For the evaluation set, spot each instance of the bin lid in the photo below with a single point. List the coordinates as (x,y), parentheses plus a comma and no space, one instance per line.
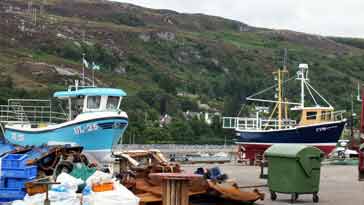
(292,151)
(302,153)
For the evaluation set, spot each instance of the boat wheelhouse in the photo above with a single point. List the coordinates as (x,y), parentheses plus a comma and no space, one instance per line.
(318,125)
(93,119)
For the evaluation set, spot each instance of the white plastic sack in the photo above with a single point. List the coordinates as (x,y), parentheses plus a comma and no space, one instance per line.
(18,202)
(98,177)
(119,196)
(56,198)
(69,182)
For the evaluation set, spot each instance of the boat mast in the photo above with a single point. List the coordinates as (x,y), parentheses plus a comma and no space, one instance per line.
(280,74)
(285,98)
(302,92)
(279,100)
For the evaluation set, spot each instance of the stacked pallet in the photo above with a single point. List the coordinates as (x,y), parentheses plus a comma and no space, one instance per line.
(14,174)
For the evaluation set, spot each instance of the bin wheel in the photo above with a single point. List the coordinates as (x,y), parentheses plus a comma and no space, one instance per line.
(294,197)
(273,195)
(315,198)
(341,154)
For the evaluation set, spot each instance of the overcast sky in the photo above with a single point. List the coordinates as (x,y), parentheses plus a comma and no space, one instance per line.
(325,17)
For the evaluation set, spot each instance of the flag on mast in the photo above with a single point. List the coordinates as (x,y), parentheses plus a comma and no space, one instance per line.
(94,67)
(85,63)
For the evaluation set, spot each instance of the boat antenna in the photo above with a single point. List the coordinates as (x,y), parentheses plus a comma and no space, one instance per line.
(83,69)
(93,74)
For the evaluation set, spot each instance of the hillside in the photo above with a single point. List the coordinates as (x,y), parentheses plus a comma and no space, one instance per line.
(166,61)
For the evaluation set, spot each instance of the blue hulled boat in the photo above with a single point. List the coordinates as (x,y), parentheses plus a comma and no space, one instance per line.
(317,125)
(93,119)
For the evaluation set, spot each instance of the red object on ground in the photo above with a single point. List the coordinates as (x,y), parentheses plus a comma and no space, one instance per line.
(361,152)
(361,160)
(362,113)
(252,151)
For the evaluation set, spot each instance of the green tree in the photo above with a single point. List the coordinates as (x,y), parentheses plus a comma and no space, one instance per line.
(181,132)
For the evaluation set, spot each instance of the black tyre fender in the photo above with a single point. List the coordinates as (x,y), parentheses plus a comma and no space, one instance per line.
(294,197)
(315,198)
(273,196)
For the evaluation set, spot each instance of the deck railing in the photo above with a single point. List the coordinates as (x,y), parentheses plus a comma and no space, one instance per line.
(244,123)
(255,124)
(339,115)
(30,111)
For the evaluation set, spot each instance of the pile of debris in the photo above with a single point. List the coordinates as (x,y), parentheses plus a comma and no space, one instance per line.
(135,168)
(64,175)
(57,175)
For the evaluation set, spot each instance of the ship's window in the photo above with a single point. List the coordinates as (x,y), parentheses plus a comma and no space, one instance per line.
(311,115)
(328,115)
(324,115)
(77,106)
(112,102)
(93,102)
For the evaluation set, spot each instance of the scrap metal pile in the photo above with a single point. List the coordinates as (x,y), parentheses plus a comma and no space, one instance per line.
(131,170)
(135,168)
(50,160)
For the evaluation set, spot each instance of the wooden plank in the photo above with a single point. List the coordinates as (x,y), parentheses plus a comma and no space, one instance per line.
(173,193)
(148,197)
(178,192)
(175,187)
(184,193)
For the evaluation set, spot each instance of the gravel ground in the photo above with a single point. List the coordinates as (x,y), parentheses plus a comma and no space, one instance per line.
(339,184)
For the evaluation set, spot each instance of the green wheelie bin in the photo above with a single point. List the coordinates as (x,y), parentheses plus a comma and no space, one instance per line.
(294,169)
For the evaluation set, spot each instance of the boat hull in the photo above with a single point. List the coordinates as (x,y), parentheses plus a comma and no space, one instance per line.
(324,136)
(95,135)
